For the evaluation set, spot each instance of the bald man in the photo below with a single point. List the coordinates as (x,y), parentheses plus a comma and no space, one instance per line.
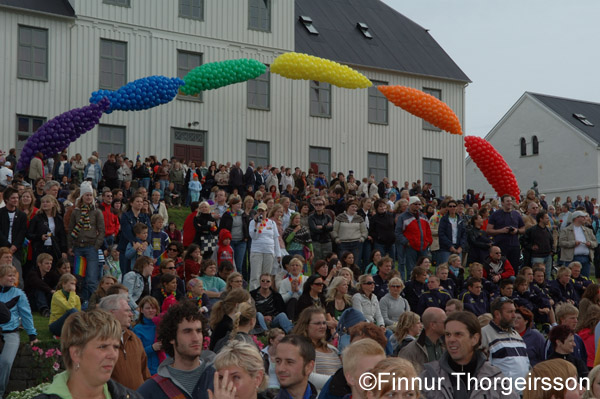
(429,346)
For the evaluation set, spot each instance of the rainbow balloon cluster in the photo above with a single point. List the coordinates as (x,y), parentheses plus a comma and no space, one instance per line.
(141,94)
(218,74)
(303,66)
(56,134)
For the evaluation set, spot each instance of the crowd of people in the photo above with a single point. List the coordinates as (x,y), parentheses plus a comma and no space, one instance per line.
(338,276)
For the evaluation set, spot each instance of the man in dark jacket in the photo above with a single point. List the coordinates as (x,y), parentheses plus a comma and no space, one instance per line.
(250,177)
(236,178)
(474,300)
(320,225)
(452,233)
(110,172)
(40,284)
(434,297)
(181,333)
(538,242)
(13,222)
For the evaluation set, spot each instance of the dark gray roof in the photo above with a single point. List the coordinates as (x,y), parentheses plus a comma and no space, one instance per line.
(566,108)
(57,7)
(398,43)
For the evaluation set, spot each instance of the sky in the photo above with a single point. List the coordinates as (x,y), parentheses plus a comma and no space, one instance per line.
(507,47)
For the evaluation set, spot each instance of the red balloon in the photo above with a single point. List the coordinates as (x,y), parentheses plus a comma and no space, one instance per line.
(493,166)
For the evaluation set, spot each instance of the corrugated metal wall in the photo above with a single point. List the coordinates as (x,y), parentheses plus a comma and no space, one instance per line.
(153,37)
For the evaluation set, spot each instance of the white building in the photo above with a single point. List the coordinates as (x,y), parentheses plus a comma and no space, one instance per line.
(56,53)
(552,140)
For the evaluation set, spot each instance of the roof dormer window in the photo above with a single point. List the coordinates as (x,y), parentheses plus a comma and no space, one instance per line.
(308,24)
(364,28)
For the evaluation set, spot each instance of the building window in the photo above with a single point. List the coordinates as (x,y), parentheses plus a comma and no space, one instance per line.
(432,173)
(319,159)
(32,53)
(111,140)
(26,127)
(378,165)
(259,15)
(122,3)
(259,92)
(320,99)
(437,94)
(186,61)
(257,151)
(535,145)
(113,64)
(523,143)
(193,9)
(378,105)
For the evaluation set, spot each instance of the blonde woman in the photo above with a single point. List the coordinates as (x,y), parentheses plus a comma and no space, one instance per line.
(562,373)
(393,304)
(244,321)
(408,328)
(405,384)
(337,300)
(46,230)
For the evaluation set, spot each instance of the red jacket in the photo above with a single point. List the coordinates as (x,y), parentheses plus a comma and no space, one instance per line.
(111,221)
(506,270)
(414,231)
(189,231)
(224,252)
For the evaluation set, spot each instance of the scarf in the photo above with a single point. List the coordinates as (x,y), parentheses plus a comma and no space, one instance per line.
(83,222)
(302,236)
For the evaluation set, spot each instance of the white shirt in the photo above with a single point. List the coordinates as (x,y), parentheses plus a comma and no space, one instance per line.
(5,173)
(265,240)
(581,249)
(11,219)
(52,228)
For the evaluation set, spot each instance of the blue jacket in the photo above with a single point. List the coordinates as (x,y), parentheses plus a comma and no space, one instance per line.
(445,233)
(66,171)
(20,311)
(413,291)
(146,332)
(97,173)
(433,299)
(561,293)
(127,222)
(478,304)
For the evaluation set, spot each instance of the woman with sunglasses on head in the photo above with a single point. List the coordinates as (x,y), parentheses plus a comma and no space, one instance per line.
(365,300)
(312,294)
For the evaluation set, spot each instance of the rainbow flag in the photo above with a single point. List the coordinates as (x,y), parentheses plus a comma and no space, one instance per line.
(161,258)
(80,266)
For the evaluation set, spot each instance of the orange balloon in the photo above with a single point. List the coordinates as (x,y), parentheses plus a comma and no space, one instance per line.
(424,106)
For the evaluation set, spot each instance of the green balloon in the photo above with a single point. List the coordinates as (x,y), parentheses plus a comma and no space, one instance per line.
(218,74)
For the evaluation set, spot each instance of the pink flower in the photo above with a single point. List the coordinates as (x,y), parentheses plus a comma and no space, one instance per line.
(40,351)
(50,352)
(56,366)
(58,353)
(34,348)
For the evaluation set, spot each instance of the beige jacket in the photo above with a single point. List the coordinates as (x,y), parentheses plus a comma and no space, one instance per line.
(566,242)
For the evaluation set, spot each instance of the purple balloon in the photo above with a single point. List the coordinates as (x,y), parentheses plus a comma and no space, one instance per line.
(56,134)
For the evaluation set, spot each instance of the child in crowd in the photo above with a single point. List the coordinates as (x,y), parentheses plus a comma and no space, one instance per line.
(448,284)
(64,303)
(112,266)
(158,238)
(40,284)
(224,250)
(192,266)
(139,247)
(105,283)
(579,281)
(167,288)
(173,233)
(194,188)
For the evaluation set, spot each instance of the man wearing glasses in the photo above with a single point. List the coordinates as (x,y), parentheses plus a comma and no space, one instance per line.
(503,344)
(320,225)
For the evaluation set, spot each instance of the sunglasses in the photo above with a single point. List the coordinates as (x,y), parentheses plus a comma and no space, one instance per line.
(172,249)
(395,286)
(170,268)
(369,283)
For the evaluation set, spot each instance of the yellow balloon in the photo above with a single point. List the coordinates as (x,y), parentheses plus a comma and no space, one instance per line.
(303,66)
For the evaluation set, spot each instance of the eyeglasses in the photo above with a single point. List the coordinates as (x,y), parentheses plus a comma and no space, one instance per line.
(395,286)
(170,268)
(369,282)
(172,249)
(319,323)
(451,206)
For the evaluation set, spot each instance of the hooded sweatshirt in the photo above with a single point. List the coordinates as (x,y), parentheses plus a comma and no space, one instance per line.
(224,252)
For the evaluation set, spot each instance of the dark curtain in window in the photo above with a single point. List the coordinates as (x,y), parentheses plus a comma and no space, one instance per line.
(523,147)
(535,145)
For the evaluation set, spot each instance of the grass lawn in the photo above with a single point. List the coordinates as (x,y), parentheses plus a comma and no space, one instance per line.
(178,216)
(41,325)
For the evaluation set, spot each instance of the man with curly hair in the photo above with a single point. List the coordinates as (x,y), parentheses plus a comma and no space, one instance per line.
(188,372)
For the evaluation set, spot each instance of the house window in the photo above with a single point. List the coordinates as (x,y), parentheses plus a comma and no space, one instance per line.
(259,15)
(186,61)
(113,64)
(193,9)
(122,3)
(259,92)
(32,53)
(26,127)
(437,94)
(111,140)
(320,99)
(378,165)
(523,146)
(319,159)
(378,105)
(432,173)
(257,151)
(535,145)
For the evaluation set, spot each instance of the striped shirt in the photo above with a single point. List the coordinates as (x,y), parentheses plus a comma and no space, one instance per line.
(506,349)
